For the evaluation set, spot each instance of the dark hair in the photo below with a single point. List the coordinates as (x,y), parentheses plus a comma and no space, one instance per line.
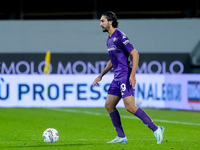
(110,16)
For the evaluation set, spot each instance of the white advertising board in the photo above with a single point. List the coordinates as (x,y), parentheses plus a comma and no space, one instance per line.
(155,91)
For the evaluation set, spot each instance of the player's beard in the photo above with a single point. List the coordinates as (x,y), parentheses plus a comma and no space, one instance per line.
(105,29)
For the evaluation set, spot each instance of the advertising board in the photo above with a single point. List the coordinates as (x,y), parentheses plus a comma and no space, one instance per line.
(154,91)
(28,63)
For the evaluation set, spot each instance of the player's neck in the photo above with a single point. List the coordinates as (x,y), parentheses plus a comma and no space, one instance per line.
(111,31)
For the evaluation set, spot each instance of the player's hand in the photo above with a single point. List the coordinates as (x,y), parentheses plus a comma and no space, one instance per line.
(132,81)
(95,83)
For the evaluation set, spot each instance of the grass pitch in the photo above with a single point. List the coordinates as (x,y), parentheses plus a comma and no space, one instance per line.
(91,128)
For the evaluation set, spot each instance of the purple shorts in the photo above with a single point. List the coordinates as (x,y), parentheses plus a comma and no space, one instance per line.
(121,88)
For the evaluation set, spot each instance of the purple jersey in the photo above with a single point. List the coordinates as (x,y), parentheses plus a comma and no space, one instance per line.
(119,48)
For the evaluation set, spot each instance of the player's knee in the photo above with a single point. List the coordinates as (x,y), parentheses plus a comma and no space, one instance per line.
(109,107)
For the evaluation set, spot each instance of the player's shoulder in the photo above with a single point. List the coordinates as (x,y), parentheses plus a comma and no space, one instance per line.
(122,38)
(121,35)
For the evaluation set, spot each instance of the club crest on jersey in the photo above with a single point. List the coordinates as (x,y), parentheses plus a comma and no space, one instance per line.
(114,39)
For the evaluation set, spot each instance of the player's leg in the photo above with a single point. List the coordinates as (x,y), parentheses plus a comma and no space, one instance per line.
(110,105)
(129,103)
(128,94)
(112,100)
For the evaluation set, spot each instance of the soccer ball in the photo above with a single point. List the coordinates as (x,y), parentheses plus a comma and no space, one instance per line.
(50,135)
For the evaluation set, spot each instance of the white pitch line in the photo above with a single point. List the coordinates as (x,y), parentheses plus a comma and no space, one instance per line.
(122,116)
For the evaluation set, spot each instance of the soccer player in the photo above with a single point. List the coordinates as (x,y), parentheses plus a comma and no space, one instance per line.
(122,86)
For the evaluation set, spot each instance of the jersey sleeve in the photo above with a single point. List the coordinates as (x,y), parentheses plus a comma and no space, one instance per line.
(125,43)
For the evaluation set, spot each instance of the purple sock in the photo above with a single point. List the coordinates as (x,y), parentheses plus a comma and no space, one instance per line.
(146,119)
(115,118)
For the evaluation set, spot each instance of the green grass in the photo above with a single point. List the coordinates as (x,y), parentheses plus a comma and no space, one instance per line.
(91,128)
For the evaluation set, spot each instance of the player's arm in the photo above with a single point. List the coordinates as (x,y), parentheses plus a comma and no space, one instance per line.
(135,59)
(106,69)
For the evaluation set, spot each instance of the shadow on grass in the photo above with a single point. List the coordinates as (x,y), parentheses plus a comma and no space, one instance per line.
(47,145)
